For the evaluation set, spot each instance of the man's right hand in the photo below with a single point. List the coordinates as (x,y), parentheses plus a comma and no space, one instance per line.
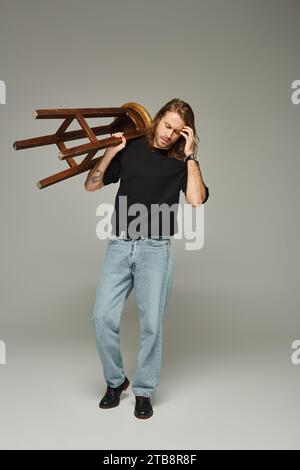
(94,179)
(119,147)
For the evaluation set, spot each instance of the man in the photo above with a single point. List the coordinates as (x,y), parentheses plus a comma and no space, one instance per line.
(152,170)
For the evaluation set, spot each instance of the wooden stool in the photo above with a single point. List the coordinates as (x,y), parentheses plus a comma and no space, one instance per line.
(130,118)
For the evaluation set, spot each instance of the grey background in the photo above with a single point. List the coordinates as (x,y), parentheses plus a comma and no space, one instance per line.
(227,380)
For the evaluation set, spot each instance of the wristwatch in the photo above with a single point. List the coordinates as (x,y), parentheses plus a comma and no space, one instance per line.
(193,156)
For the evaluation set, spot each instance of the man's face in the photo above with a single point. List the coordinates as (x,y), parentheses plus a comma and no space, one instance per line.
(168,130)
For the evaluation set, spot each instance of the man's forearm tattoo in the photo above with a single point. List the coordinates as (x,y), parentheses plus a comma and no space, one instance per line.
(97,176)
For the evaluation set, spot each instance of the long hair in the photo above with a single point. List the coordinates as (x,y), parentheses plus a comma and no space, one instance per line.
(186,113)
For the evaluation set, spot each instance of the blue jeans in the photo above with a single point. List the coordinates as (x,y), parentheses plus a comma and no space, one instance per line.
(147,265)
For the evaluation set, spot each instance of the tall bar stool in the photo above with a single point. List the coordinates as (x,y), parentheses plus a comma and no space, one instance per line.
(130,118)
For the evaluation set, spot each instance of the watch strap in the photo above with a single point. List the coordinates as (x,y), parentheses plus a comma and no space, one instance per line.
(192,156)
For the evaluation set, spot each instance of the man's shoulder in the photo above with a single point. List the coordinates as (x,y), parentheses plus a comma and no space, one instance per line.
(132,146)
(138,145)
(136,142)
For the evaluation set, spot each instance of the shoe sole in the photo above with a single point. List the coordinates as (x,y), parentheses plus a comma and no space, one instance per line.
(143,417)
(105,407)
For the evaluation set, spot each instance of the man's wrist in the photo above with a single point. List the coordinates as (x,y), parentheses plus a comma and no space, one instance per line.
(191,157)
(110,151)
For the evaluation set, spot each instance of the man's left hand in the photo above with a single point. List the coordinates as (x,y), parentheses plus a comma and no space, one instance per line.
(190,143)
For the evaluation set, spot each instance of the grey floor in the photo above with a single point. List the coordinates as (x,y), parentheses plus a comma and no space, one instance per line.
(221,387)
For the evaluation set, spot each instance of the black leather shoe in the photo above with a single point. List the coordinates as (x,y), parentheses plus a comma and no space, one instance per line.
(143,408)
(112,395)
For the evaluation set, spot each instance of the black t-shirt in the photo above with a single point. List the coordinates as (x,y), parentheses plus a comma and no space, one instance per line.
(149,177)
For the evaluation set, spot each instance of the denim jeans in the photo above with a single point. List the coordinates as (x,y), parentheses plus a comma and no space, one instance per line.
(147,265)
